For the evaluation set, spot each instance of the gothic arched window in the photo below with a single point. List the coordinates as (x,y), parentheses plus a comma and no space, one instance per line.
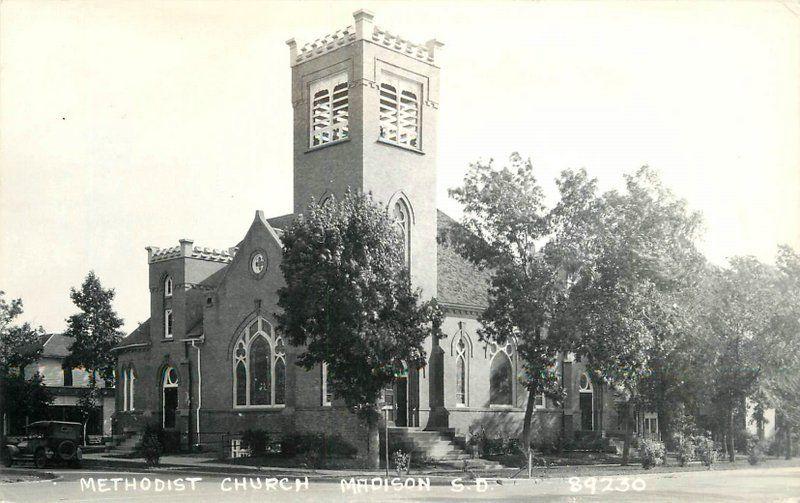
(168,286)
(461,372)
(402,222)
(259,367)
(501,379)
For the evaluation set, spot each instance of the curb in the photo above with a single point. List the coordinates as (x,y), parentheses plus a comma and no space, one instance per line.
(41,475)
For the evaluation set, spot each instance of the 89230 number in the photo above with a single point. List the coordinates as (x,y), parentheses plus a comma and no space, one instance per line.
(606,484)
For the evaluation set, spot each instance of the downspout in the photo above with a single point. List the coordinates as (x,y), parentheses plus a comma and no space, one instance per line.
(199,390)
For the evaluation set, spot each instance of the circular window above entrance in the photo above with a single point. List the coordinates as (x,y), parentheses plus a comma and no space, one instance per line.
(258,263)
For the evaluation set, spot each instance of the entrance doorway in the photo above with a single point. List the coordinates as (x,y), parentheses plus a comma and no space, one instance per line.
(586,402)
(401,395)
(169,398)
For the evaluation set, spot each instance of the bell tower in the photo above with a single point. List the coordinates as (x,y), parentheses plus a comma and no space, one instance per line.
(365,107)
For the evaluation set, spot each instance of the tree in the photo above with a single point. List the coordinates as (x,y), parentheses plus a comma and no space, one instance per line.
(349,303)
(740,338)
(19,346)
(623,306)
(27,399)
(96,330)
(505,218)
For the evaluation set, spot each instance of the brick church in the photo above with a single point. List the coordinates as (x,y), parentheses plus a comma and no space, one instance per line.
(209,363)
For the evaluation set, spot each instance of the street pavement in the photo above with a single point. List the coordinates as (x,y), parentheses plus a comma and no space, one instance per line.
(762,484)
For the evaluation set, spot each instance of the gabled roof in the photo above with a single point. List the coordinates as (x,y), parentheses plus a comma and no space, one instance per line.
(460,282)
(282,222)
(140,335)
(52,345)
(57,346)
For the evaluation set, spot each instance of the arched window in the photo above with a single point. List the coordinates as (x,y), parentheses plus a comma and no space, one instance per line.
(461,372)
(169,397)
(501,380)
(402,222)
(329,110)
(259,367)
(586,401)
(130,380)
(168,286)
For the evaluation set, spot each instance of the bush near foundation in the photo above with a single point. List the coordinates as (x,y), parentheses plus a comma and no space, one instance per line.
(255,440)
(685,447)
(652,453)
(756,450)
(316,447)
(706,450)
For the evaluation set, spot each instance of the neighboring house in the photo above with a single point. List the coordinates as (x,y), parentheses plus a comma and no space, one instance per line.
(210,363)
(66,385)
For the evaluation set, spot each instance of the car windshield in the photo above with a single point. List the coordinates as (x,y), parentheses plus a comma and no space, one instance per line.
(35,432)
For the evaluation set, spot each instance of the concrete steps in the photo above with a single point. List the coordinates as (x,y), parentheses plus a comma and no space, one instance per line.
(440,446)
(129,445)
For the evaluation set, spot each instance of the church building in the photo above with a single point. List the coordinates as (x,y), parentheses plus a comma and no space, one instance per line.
(210,363)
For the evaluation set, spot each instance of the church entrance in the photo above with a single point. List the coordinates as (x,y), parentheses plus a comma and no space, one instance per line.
(401,395)
(169,398)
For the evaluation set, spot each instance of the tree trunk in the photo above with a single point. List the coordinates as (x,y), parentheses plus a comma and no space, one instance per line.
(526,423)
(788,439)
(626,446)
(373,445)
(2,409)
(731,435)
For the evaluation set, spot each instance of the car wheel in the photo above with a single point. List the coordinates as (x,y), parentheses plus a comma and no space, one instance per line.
(67,450)
(7,459)
(40,459)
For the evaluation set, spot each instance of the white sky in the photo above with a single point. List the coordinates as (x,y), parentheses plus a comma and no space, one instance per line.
(127,124)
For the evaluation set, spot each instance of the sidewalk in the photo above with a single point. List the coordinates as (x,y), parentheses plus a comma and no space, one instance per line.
(438,476)
(212,464)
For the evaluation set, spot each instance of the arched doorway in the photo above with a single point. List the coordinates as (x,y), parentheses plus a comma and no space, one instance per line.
(169,397)
(586,402)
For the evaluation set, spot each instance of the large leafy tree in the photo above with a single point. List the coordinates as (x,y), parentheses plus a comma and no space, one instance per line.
(739,340)
(19,346)
(27,400)
(623,306)
(95,328)
(348,301)
(505,220)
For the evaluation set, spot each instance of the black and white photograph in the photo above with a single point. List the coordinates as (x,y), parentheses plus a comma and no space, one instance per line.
(542,250)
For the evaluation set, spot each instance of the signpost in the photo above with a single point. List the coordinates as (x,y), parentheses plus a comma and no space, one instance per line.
(386,409)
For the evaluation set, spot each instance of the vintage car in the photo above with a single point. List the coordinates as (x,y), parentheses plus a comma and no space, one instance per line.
(45,442)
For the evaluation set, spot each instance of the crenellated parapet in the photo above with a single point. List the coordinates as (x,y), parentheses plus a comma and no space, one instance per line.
(362,29)
(186,249)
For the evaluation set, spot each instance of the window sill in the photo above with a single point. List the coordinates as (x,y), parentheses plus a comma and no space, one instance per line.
(168,339)
(401,146)
(329,144)
(245,408)
(496,406)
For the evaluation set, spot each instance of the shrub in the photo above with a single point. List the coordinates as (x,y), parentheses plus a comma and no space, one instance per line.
(685,448)
(255,440)
(705,449)
(478,440)
(652,453)
(755,450)
(316,447)
(400,460)
(151,447)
